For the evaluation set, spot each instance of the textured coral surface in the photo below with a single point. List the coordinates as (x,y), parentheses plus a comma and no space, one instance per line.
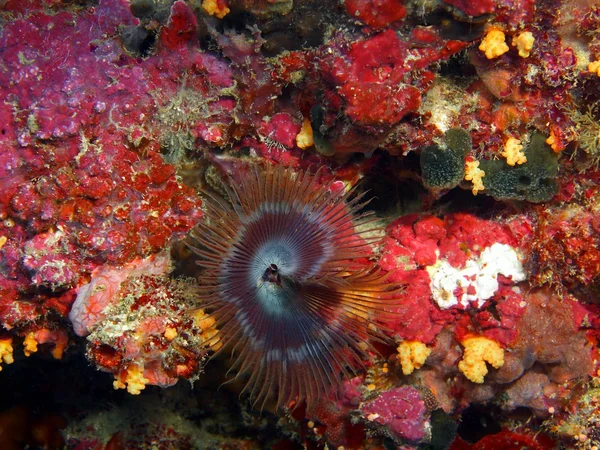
(473,127)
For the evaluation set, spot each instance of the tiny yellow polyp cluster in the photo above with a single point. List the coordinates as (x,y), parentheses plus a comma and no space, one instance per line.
(474,174)
(524,43)
(304,138)
(493,44)
(3,240)
(209,329)
(30,344)
(553,142)
(170,333)
(513,152)
(134,380)
(412,355)
(594,67)
(6,351)
(478,351)
(212,7)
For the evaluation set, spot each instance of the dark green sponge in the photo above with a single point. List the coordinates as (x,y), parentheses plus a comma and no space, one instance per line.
(444,167)
(532,181)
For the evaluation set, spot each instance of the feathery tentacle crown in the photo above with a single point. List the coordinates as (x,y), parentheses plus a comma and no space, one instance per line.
(285,276)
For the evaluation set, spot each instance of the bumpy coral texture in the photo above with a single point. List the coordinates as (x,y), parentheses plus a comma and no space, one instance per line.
(412,355)
(376,13)
(140,324)
(105,139)
(479,351)
(401,411)
(83,182)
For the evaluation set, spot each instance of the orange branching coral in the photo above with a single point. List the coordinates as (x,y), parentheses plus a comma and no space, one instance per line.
(305,138)
(594,67)
(288,279)
(208,325)
(6,351)
(131,378)
(30,345)
(57,339)
(216,8)
(555,142)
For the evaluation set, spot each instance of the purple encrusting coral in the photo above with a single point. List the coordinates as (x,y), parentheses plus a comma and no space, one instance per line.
(401,413)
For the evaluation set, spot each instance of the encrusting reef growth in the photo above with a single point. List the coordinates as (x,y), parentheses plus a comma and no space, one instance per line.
(374,223)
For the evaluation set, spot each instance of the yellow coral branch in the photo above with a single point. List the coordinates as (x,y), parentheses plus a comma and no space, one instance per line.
(209,329)
(30,344)
(6,351)
(594,67)
(304,138)
(478,351)
(213,8)
(553,142)
(493,44)
(513,152)
(412,355)
(133,379)
(524,43)
(474,174)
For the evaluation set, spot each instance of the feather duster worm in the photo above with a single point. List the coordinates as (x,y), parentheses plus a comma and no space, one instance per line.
(285,275)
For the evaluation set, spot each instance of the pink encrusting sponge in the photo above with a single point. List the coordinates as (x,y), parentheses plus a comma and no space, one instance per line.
(289,279)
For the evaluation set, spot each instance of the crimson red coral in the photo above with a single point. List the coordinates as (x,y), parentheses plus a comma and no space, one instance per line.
(473,8)
(376,13)
(181,28)
(382,78)
(509,440)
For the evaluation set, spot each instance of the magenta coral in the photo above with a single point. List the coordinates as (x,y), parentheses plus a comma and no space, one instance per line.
(377,72)
(279,130)
(378,80)
(401,412)
(82,185)
(332,415)
(181,28)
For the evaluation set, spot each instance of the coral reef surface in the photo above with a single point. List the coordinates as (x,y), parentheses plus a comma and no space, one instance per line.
(428,224)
